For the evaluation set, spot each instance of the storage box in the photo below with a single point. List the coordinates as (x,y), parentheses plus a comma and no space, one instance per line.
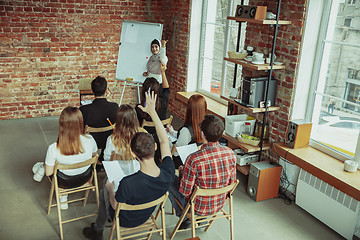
(235,124)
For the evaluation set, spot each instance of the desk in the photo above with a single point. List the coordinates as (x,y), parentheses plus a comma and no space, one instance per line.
(323,166)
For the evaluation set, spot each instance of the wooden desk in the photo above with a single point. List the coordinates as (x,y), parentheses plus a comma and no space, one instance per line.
(323,166)
(214,107)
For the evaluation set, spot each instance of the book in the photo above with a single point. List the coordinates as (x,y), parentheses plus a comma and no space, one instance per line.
(185,151)
(114,172)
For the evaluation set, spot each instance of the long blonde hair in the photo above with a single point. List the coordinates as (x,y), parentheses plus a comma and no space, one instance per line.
(70,129)
(126,126)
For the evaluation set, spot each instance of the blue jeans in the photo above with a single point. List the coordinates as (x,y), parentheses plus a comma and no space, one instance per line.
(104,205)
(174,193)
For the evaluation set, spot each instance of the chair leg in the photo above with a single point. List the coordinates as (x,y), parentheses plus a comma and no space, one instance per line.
(51,197)
(181,219)
(118,228)
(192,220)
(112,229)
(231,218)
(86,196)
(163,222)
(59,212)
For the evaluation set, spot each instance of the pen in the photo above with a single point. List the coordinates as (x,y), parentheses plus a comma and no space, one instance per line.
(110,122)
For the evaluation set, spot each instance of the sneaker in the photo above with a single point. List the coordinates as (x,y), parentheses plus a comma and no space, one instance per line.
(36,166)
(63,201)
(39,174)
(92,233)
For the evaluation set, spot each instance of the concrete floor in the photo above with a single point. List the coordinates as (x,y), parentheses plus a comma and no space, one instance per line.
(23,201)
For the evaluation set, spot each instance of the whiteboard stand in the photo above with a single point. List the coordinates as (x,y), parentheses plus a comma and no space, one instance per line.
(130,83)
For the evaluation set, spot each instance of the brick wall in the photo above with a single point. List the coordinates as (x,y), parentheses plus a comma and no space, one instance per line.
(47,46)
(287,51)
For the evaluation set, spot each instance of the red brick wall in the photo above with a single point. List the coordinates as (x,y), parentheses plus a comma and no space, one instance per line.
(47,46)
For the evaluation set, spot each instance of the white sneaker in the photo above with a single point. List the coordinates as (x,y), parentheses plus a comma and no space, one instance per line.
(36,166)
(63,201)
(39,174)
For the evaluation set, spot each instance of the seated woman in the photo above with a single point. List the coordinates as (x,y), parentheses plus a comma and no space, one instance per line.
(152,85)
(71,147)
(190,131)
(118,143)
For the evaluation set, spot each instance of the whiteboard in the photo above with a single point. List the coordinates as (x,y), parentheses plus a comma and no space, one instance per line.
(134,49)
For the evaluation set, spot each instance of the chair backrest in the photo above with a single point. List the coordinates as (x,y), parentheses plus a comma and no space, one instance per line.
(213,192)
(128,207)
(151,124)
(97,130)
(92,160)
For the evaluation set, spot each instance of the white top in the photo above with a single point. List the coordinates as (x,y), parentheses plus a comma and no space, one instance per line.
(164,59)
(53,154)
(183,139)
(128,166)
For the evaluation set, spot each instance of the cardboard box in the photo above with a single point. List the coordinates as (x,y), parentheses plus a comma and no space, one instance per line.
(235,124)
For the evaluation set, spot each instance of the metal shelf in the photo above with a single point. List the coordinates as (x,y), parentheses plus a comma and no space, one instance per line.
(260,21)
(249,109)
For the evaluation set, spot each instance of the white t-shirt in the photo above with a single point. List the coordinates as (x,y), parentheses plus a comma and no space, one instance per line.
(183,139)
(53,154)
(129,166)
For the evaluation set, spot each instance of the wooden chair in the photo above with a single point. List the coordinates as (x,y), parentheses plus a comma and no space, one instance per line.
(209,219)
(97,130)
(151,124)
(92,184)
(147,228)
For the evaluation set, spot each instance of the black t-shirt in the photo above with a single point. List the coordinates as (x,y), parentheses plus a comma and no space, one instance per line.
(95,115)
(140,188)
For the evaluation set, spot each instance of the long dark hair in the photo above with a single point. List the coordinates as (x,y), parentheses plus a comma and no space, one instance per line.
(154,86)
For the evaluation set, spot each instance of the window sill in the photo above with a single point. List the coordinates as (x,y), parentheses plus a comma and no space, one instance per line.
(323,166)
(214,107)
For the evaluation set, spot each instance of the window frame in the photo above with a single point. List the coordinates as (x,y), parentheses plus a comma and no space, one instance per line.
(318,45)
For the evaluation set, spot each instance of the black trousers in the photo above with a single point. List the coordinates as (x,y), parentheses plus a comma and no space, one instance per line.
(65,181)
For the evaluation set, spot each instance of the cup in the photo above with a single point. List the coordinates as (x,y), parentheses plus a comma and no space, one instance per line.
(258,56)
(268,60)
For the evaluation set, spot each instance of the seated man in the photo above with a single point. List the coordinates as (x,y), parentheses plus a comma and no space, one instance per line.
(96,114)
(146,185)
(213,166)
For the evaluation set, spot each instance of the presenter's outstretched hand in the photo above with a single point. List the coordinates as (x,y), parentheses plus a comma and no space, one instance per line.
(163,43)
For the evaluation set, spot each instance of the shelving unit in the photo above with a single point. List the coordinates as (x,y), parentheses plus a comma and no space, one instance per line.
(257,67)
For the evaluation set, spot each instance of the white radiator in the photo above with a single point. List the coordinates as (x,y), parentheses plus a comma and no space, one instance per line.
(328,204)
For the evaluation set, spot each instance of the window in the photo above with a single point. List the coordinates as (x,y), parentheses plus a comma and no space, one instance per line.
(334,107)
(347,22)
(217,36)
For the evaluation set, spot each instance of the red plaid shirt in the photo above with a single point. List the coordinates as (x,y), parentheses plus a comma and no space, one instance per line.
(213,166)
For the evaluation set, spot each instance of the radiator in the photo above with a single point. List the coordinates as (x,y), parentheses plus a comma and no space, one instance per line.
(328,204)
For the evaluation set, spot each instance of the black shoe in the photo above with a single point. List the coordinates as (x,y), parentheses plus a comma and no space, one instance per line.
(91,233)
(99,168)
(185,224)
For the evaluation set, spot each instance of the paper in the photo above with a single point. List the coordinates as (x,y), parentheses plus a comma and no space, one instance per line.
(113,172)
(185,151)
(171,137)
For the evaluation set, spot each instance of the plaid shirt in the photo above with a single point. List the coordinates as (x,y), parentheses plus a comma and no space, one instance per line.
(213,166)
